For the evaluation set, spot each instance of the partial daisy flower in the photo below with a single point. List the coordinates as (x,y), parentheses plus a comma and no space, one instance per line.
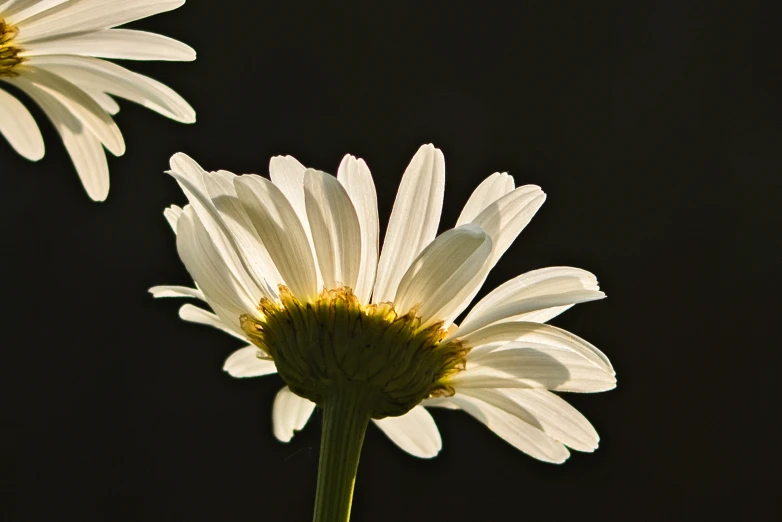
(51,50)
(291,267)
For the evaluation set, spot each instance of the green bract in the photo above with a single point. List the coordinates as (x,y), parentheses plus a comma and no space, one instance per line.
(336,341)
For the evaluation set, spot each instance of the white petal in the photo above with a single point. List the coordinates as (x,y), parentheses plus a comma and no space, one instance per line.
(541,316)
(106,102)
(172,214)
(587,281)
(355,177)
(83,147)
(505,218)
(91,15)
(288,175)
(16,11)
(87,154)
(198,315)
(244,362)
(78,103)
(546,411)
(523,364)
(236,223)
(536,290)
(535,333)
(176,291)
(477,352)
(415,432)
(281,232)
(208,269)
(124,44)
(97,74)
(414,220)
(290,413)
(489,191)
(438,279)
(19,127)
(512,429)
(335,229)
(192,179)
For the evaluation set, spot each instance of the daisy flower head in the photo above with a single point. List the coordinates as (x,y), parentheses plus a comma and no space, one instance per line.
(53,51)
(292,266)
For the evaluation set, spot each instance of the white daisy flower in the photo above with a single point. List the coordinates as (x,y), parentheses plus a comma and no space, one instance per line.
(291,265)
(51,50)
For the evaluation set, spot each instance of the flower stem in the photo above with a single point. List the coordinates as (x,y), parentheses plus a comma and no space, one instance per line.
(345,420)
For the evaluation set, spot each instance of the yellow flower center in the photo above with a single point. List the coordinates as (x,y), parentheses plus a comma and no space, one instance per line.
(336,341)
(9,55)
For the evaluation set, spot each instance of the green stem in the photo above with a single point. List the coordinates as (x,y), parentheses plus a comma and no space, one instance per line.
(345,420)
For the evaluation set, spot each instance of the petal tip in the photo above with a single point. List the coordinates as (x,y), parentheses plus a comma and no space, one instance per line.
(176,159)
(35,155)
(429,453)
(99,197)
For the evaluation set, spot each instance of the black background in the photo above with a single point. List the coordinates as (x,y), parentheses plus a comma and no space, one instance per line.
(654,129)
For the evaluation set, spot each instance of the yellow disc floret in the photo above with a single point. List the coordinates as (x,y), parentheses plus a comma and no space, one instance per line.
(337,341)
(9,55)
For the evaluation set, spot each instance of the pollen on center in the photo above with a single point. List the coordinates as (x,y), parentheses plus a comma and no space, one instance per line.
(336,340)
(9,54)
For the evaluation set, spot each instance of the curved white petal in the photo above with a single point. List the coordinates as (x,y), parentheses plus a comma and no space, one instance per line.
(19,127)
(415,432)
(208,269)
(78,103)
(193,181)
(539,282)
(236,223)
(439,279)
(97,74)
(523,364)
(541,316)
(90,15)
(534,333)
(414,220)
(290,413)
(512,429)
(505,218)
(335,229)
(16,11)
(84,148)
(536,290)
(6,5)
(545,410)
(124,44)
(281,232)
(355,177)
(106,102)
(198,315)
(175,291)
(490,190)
(244,362)
(172,214)
(288,175)
(587,280)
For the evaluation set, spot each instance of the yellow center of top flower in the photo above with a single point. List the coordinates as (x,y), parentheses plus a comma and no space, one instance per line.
(337,341)
(9,55)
